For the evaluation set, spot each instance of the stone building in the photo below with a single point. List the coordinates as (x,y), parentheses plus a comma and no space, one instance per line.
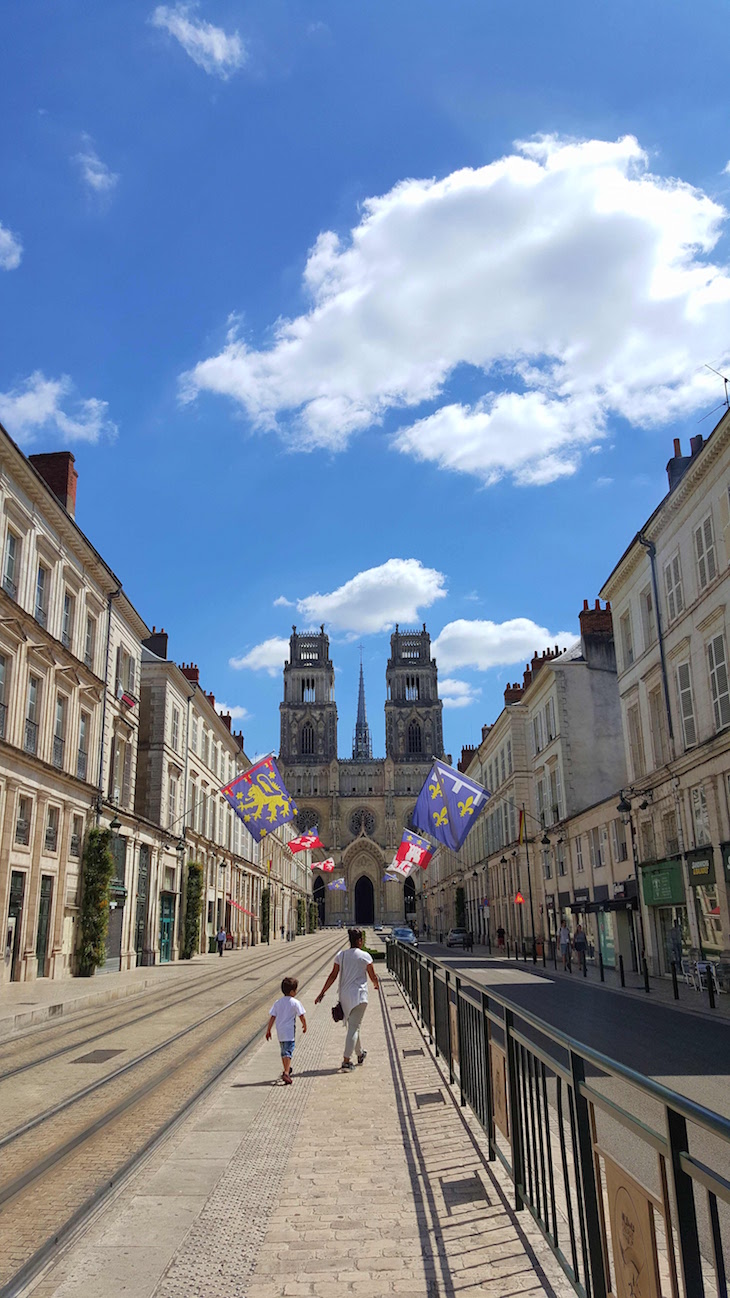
(360,804)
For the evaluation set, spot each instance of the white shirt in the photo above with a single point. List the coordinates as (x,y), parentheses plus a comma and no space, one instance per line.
(353,977)
(286,1011)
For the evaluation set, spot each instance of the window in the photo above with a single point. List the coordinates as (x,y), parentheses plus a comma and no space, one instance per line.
(618,836)
(206,747)
(83,753)
(171,800)
(627,639)
(67,625)
(541,800)
(594,844)
(560,858)
(41,595)
(90,642)
(194,735)
(308,690)
(547,867)
(308,738)
(700,817)
(176,729)
(673,587)
(718,681)
(52,829)
(415,744)
(509,756)
(636,742)
(77,832)
(705,552)
(550,731)
(537,733)
(11,565)
(121,771)
(413,689)
(502,767)
(658,725)
(32,712)
(579,866)
(22,824)
(490,781)
(556,795)
(648,617)
(669,829)
(125,675)
(648,842)
(59,732)
(686,705)
(3,705)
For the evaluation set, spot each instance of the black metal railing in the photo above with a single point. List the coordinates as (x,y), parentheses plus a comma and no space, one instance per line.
(3,719)
(51,838)
(22,831)
(81,764)
(30,739)
(40,615)
(74,847)
(561,1118)
(10,587)
(58,746)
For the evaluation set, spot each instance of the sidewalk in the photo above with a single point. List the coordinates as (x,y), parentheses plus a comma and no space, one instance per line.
(373,1182)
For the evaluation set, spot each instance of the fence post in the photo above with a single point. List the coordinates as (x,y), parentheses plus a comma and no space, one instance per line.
(621,973)
(554,943)
(601,970)
(593,1247)
(459,1044)
(488,1078)
(686,1217)
(515,1131)
(448,1028)
(647,988)
(675,987)
(710,986)
(544,962)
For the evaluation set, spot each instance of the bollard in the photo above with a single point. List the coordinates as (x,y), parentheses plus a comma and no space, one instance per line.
(710,987)
(534,951)
(621,973)
(524,952)
(675,987)
(544,962)
(555,952)
(647,988)
(600,966)
(584,961)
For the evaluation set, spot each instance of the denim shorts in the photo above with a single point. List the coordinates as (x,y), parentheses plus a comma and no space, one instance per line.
(287,1049)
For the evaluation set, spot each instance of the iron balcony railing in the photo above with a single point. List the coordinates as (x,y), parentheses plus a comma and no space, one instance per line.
(51,838)
(22,832)
(74,847)
(30,740)
(89,658)
(66,638)
(578,1132)
(40,615)
(10,587)
(3,719)
(81,763)
(58,746)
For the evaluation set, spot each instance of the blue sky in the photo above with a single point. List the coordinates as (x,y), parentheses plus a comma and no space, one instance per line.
(318,330)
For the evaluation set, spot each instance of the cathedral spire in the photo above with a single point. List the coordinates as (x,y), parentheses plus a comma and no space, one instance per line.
(362,748)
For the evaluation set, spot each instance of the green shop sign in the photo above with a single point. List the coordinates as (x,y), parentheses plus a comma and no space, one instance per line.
(701,866)
(662,884)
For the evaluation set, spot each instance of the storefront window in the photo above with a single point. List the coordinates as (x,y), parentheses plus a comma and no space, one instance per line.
(708,919)
(605,938)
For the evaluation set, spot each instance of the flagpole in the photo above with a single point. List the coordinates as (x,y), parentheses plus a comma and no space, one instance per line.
(529,886)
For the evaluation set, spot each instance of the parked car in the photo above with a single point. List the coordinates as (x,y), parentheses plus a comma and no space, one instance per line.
(457,937)
(405,935)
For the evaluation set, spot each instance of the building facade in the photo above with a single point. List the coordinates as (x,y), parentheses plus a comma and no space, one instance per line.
(360,804)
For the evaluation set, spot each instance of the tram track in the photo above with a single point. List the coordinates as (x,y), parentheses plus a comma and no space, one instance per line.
(52,1176)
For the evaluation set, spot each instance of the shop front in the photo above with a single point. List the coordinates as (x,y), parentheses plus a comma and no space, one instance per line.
(703,881)
(663,893)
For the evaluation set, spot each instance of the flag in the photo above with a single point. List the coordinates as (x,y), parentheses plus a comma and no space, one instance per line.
(305,842)
(337,885)
(521,835)
(519,899)
(260,799)
(401,869)
(389,878)
(327,865)
(448,805)
(414,849)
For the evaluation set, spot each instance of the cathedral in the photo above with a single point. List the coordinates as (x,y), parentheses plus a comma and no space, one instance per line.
(361,803)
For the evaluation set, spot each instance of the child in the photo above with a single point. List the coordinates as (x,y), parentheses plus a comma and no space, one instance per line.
(284,1014)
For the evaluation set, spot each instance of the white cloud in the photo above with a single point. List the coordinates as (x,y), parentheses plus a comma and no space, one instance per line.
(269,656)
(578,284)
(94,172)
(375,599)
(36,406)
(237,712)
(484,644)
(282,602)
(11,249)
(457,694)
(210,47)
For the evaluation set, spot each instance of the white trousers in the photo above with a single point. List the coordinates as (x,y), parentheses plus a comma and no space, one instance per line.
(353,1042)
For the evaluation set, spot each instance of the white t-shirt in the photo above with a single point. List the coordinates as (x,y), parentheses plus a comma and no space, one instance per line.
(286,1011)
(353,977)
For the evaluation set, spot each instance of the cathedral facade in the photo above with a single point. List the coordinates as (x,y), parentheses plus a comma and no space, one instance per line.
(361,803)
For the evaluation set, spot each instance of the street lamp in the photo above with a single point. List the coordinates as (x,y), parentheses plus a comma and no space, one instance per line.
(115,826)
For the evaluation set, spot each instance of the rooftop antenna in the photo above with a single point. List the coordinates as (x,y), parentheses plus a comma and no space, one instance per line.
(726,402)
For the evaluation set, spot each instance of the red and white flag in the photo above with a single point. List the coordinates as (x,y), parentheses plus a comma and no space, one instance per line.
(401,869)
(305,842)
(328,865)
(414,850)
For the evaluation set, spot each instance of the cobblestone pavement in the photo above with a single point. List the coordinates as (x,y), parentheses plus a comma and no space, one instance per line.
(369,1182)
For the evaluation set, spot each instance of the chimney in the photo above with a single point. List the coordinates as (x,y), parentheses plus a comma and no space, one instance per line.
(596,621)
(526,677)
(211,699)
(238,736)
(485,731)
(596,636)
(157,642)
(190,670)
(513,693)
(225,718)
(57,471)
(467,753)
(679,463)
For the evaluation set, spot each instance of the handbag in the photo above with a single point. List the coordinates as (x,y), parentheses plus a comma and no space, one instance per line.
(338,1013)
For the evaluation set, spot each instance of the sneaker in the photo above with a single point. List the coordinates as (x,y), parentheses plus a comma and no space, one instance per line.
(362,1057)
(349,1067)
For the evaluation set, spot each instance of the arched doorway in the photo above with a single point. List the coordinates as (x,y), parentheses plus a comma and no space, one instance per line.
(364,901)
(318,895)
(409,900)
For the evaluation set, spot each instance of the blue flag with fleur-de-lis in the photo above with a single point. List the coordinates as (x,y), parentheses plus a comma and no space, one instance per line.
(260,798)
(448,805)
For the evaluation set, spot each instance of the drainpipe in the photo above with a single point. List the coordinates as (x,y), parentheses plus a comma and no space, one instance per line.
(100,786)
(694,931)
(183,869)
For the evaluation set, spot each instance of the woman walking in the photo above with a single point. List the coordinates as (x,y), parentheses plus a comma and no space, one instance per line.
(354,967)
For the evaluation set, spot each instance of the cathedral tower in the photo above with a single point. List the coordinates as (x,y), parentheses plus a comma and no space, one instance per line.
(362,747)
(308,714)
(413,723)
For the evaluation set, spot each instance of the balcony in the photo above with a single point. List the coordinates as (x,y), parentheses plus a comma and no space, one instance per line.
(58,746)
(30,740)
(66,638)
(3,719)
(81,764)
(41,616)
(74,847)
(89,659)
(51,838)
(22,832)
(10,587)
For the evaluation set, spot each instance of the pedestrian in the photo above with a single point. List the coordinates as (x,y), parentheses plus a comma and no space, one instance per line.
(282,932)
(428,932)
(564,941)
(221,939)
(284,1013)
(353,967)
(580,944)
(500,938)
(470,941)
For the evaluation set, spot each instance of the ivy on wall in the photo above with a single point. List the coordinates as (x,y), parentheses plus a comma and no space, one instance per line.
(265,913)
(301,916)
(98,871)
(193,911)
(313,916)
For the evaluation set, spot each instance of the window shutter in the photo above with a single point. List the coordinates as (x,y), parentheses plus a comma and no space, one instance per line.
(132,674)
(127,775)
(686,706)
(112,760)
